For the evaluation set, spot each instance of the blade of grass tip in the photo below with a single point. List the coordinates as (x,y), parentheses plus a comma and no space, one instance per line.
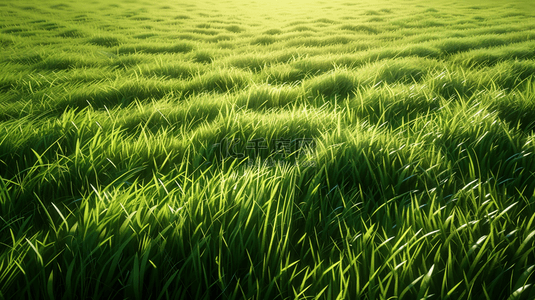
(135,278)
(518,292)
(50,285)
(452,290)
(506,209)
(46,212)
(4,191)
(524,243)
(301,292)
(410,286)
(144,262)
(318,296)
(480,253)
(68,280)
(39,257)
(61,216)
(39,157)
(521,282)
(424,287)
(485,293)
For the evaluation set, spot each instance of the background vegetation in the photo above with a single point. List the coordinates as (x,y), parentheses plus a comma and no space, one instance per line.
(114,181)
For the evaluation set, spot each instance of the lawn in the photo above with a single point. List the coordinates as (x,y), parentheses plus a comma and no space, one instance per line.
(267,149)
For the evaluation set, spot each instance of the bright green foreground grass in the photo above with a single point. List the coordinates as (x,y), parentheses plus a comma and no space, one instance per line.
(115,181)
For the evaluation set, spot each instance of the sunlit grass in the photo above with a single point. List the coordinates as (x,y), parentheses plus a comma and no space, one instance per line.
(126,166)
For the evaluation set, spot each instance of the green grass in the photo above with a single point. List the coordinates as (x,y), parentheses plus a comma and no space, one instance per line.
(127,171)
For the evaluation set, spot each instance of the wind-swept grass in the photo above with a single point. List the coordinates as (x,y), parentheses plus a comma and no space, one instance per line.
(255,150)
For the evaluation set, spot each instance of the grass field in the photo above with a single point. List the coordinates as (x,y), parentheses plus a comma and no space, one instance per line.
(267,149)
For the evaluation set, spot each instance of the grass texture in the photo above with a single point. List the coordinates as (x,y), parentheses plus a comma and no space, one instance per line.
(126,170)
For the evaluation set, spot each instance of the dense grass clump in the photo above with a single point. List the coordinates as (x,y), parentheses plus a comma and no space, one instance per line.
(267,150)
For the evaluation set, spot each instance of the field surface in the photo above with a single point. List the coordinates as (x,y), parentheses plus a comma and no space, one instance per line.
(267,150)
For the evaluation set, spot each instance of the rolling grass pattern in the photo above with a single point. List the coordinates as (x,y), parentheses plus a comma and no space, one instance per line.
(420,184)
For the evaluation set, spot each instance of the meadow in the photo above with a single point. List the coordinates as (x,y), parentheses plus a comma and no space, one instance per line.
(157,150)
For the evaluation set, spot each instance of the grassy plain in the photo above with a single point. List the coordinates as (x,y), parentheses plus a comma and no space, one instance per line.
(118,123)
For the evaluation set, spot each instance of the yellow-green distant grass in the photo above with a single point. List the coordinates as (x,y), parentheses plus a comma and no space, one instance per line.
(106,41)
(223,80)
(268,96)
(494,55)
(170,67)
(151,151)
(282,74)
(180,47)
(393,106)
(203,56)
(339,83)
